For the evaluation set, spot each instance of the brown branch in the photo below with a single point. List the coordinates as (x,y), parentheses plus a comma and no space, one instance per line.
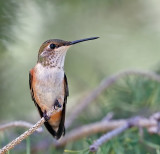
(18,124)
(28,132)
(104,84)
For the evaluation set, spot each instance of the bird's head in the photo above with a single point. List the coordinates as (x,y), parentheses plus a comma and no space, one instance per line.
(52,52)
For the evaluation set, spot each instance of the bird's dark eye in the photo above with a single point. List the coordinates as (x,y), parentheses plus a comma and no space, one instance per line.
(52,46)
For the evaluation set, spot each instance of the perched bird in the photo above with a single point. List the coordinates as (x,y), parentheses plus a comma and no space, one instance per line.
(48,83)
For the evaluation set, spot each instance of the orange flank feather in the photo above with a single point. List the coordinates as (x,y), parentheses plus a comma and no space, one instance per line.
(55,118)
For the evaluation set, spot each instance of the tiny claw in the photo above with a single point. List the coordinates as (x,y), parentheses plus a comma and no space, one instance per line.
(45,116)
(57,104)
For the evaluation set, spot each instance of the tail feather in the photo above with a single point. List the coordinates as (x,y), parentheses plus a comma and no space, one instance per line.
(55,134)
(51,130)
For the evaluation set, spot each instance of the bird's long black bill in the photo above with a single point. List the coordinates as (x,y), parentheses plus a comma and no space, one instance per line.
(82,40)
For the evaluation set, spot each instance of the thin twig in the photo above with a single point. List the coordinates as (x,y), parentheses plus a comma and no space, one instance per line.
(94,147)
(108,136)
(104,84)
(108,117)
(28,132)
(18,124)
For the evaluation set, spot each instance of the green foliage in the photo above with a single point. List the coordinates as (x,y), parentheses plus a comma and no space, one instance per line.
(138,95)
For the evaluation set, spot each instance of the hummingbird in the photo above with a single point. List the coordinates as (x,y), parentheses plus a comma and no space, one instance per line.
(48,83)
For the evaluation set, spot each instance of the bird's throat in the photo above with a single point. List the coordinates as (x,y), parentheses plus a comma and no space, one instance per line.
(53,61)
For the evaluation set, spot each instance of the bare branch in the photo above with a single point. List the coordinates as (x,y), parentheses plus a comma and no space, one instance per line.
(18,124)
(28,132)
(106,83)
(104,126)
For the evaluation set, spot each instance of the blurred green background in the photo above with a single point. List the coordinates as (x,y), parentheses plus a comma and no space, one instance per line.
(129,34)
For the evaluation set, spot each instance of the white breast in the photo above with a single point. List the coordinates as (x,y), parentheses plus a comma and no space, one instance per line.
(49,84)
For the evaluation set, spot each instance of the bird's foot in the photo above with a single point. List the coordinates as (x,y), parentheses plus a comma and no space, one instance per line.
(46,117)
(57,104)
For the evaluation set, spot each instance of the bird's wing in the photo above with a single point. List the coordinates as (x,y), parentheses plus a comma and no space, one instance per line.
(61,129)
(30,84)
